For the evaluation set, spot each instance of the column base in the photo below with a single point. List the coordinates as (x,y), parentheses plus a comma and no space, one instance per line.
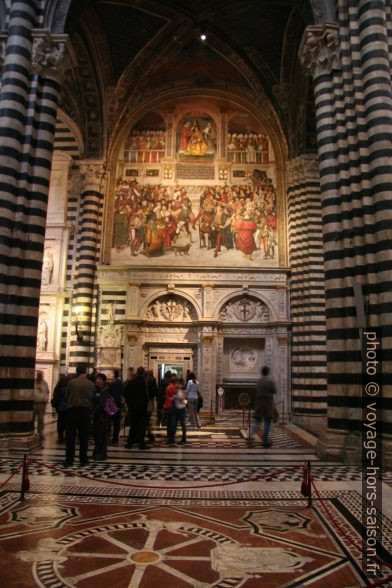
(25,444)
(330,445)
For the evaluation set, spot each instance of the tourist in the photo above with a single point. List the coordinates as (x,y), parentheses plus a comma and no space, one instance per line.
(79,394)
(115,390)
(40,400)
(192,388)
(264,405)
(136,396)
(177,414)
(99,417)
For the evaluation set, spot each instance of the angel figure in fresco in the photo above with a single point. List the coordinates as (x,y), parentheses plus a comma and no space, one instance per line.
(196,144)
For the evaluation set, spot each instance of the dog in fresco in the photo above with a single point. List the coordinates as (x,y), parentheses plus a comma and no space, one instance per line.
(181,249)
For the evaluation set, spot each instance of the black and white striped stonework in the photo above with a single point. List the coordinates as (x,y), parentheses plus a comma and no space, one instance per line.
(85,292)
(354,128)
(27,122)
(307,294)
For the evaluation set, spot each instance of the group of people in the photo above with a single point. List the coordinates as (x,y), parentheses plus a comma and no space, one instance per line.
(145,146)
(152,220)
(248,147)
(88,405)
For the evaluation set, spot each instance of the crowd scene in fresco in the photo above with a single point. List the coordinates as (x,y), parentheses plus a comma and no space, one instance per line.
(145,146)
(247,147)
(90,405)
(151,220)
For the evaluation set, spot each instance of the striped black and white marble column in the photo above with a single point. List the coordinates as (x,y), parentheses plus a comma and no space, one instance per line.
(307,294)
(33,64)
(83,312)
(350,62)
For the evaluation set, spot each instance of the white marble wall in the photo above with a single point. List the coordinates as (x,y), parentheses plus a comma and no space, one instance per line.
(209,314)
(53,272)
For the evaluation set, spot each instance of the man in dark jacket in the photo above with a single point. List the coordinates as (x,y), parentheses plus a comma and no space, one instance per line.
(78,395)
(115,390)
(264,405)
(136,396)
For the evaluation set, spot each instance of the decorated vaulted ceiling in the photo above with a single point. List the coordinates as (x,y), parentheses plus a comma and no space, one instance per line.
(130,51)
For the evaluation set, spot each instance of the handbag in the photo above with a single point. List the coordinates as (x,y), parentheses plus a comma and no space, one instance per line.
(110,407)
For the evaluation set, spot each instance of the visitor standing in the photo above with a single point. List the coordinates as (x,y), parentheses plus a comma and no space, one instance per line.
(40,400)
(100,418)
(136,396)
(79,394)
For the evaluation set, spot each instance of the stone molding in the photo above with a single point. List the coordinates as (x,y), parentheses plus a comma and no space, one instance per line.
(51,55)
(319,49)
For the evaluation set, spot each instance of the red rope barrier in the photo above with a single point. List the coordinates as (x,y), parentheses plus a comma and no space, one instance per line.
(212,485)
(13,473)
(344,534)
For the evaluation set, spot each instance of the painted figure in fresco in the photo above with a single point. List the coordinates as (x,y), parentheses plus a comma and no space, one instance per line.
(196,144)
(221,229)
(245,227)
(210,137)
(185,135)
(156,220)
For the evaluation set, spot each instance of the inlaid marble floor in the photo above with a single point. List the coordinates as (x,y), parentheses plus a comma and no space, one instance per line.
(215,513)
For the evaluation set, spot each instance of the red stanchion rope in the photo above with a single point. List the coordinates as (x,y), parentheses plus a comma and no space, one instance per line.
(13,473)
(344,534)
(212,485)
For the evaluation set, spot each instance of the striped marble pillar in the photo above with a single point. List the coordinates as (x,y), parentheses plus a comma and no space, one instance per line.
(307,294)
(83,311)
(350,62)
(33,64)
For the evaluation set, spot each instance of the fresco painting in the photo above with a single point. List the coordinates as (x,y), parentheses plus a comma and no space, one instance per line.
(222,226)
(196,136)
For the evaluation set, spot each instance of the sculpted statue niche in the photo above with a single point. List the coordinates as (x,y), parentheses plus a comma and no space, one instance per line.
(244,310)
(171,308)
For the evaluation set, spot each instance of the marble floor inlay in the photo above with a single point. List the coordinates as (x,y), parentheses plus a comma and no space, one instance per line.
(222,516)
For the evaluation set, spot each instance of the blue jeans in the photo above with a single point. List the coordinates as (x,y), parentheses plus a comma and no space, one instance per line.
(267,427)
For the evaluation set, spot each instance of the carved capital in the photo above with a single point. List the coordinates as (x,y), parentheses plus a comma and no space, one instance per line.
(52,55)
(304,167)
(93,176)
(319,49)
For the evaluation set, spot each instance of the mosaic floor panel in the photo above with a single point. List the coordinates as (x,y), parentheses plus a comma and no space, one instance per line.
(86,541)
(216,514)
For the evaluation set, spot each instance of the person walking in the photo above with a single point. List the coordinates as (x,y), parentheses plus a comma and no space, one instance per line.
(78,395)
(264,405)
(136,396)
(100,418)
(40,400)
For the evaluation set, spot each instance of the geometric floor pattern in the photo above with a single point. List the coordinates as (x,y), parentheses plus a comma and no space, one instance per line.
(216,513)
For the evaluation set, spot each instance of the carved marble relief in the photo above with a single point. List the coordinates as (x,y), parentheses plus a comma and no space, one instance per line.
(47,267)
(171,308)
(244,310)
(243,357)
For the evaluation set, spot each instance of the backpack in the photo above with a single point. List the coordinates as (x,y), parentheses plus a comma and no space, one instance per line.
(110,407)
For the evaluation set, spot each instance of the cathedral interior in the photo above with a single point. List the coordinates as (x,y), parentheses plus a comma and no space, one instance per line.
(206,186)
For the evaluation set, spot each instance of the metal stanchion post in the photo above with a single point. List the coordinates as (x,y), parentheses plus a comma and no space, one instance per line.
(249,428)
